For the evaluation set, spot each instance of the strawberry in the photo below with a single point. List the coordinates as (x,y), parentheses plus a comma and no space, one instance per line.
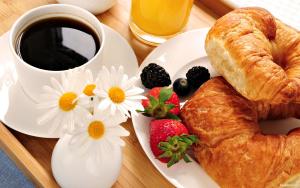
(161,103)
(169,140)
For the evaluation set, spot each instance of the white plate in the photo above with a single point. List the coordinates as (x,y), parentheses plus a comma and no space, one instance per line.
(177,56)
(18,112)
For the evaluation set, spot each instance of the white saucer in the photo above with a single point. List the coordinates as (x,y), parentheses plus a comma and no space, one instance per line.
(177,56)
(18,112)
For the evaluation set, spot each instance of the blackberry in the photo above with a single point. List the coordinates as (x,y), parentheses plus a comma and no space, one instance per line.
(154,75)
(197,75)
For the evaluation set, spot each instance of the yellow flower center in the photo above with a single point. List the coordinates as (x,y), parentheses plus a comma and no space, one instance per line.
(89,90)
(116,95)
(96,129)
(66,101)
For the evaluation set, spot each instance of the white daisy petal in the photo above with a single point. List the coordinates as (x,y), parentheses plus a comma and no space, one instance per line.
(119,75)
(100,92)
(130,83)
(117,131)
(103,116)
(84,100)
(124,80)
(49,90)
(113,76)
(133,113)
(47,116)
(104,82)
(71,122)
(56,85)
(78,137)
(124,110)
(48,104)
(115,120)
(136,97)
(121,70)
(49,96)
(89,75)
(104,104)
(82,145)
(133,105)
(105,78)
(113,109)
(117,141)
(65,124)
(81,113)
(55,124)
(73,81)
(64,81)
(99,113)
(134,91)
(97,78)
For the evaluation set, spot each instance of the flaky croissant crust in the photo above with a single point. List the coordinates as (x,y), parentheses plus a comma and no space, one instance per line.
(232,149)
(257,54)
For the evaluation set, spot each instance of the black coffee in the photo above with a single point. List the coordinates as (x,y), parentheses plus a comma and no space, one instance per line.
(57,44)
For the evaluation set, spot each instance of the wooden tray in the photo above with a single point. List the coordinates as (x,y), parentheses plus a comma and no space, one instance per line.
(33,154)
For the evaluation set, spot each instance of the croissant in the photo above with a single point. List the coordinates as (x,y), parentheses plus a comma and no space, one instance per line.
(257,54)
(232,149)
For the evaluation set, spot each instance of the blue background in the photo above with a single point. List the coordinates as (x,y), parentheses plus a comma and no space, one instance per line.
(10,175)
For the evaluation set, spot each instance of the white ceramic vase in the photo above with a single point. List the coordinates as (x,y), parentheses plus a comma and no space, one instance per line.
(72,170)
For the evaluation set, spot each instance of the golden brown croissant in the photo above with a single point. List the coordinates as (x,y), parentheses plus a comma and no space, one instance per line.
(257,54)
(232,149)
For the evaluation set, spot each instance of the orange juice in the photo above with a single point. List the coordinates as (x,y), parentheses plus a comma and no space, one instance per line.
(159,17)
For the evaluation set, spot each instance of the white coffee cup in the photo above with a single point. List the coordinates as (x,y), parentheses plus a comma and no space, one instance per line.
(32,79)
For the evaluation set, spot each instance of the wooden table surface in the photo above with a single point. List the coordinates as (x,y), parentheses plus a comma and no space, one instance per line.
(33,154)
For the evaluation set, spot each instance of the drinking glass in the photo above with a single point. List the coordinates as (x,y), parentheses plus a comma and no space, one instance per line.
(155,21)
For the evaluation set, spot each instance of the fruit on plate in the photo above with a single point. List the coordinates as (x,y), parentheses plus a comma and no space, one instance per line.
(154,75)
(161,102)
(169,140)
(197,75)
(181,87)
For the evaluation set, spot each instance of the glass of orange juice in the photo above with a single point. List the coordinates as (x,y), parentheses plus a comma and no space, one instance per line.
(155,21)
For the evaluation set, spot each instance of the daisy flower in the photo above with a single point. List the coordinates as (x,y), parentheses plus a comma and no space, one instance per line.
(117,92)
(85,77)
(98,135)
(62,103)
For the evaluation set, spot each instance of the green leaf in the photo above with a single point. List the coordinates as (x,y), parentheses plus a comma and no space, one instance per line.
(171,140)
(187,140)
(172,116)
(165,94)
(164,146)
(166,154)
(146,114)
(140,111)
(193,138)
(172,161)
(169,107)
(186,158)
(153,101)
(176,146)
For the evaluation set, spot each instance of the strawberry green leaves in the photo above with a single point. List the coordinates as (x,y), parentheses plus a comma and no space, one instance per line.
(160,104)
(165,94)
(175,148)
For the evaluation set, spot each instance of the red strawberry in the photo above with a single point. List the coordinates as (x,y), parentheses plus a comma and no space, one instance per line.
(169,140)
(162,102)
